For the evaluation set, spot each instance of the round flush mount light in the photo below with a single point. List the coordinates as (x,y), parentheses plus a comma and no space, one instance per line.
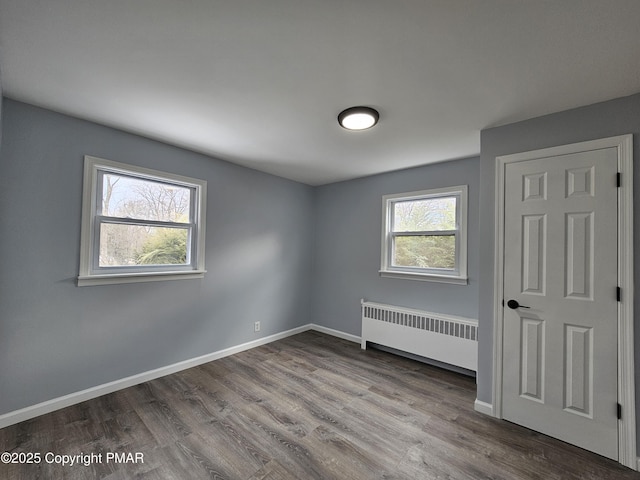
(358,118)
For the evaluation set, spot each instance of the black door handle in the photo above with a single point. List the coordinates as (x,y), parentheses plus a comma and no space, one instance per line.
(513,304)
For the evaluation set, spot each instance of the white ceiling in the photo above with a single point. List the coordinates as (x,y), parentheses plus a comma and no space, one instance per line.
(261,82)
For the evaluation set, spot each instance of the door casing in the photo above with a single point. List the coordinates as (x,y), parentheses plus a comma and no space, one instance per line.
(626,380)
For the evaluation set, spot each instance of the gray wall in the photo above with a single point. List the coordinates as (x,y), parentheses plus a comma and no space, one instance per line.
(616,117)
(347,252)
(57,338)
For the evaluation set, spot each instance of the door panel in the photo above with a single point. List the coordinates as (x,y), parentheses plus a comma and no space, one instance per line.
(534,240)
(532,359)
(579,374)
(579,235)
(560,264)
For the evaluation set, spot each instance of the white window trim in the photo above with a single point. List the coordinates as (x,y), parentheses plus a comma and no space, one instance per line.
(87,275)
(459,276)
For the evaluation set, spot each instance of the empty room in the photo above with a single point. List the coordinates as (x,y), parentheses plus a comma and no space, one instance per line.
(279,239)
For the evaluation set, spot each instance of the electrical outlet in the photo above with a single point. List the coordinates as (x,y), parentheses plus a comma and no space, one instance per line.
(256,327)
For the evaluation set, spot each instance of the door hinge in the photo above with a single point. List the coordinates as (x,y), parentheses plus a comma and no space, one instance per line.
(619,179)
(619,412)
(618,294)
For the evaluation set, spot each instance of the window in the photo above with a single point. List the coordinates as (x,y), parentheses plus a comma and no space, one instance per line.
(140,225)
(424,235)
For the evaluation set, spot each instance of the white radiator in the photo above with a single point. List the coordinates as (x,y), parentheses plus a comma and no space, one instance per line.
(445,338)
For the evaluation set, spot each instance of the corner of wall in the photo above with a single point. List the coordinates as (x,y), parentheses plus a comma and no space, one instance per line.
(1,98)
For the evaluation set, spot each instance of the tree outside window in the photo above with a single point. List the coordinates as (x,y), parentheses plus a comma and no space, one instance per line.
(424,234)
(140,224)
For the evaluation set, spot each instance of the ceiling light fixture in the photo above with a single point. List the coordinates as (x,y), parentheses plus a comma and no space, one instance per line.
(358,118)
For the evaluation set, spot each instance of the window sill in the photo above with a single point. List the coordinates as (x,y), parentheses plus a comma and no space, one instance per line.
(116,278)
(424,277)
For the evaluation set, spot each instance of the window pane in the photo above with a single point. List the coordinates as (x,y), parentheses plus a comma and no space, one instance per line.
(433,214)
(129,197)
(130,245)
(425,251)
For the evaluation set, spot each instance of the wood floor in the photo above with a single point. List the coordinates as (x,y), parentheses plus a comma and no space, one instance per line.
(306,407)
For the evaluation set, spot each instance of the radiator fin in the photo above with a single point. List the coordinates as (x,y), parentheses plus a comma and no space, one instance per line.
(422,321)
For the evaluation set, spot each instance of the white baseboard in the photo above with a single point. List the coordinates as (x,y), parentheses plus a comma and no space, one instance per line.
(335,333)
(483,407)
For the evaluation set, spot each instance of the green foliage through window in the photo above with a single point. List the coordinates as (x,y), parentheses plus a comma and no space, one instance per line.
(168,246)
(430,226)
(126,244)
(425,252)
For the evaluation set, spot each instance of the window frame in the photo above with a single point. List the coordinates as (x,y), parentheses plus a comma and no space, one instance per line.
(458,275)
(90,273)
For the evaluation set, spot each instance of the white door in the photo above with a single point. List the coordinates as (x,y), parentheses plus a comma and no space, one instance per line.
(560,265)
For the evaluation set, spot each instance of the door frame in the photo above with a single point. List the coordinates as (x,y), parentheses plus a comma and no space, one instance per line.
(627,454)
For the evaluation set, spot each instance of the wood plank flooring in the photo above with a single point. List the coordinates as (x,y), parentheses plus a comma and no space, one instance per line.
(306,407)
